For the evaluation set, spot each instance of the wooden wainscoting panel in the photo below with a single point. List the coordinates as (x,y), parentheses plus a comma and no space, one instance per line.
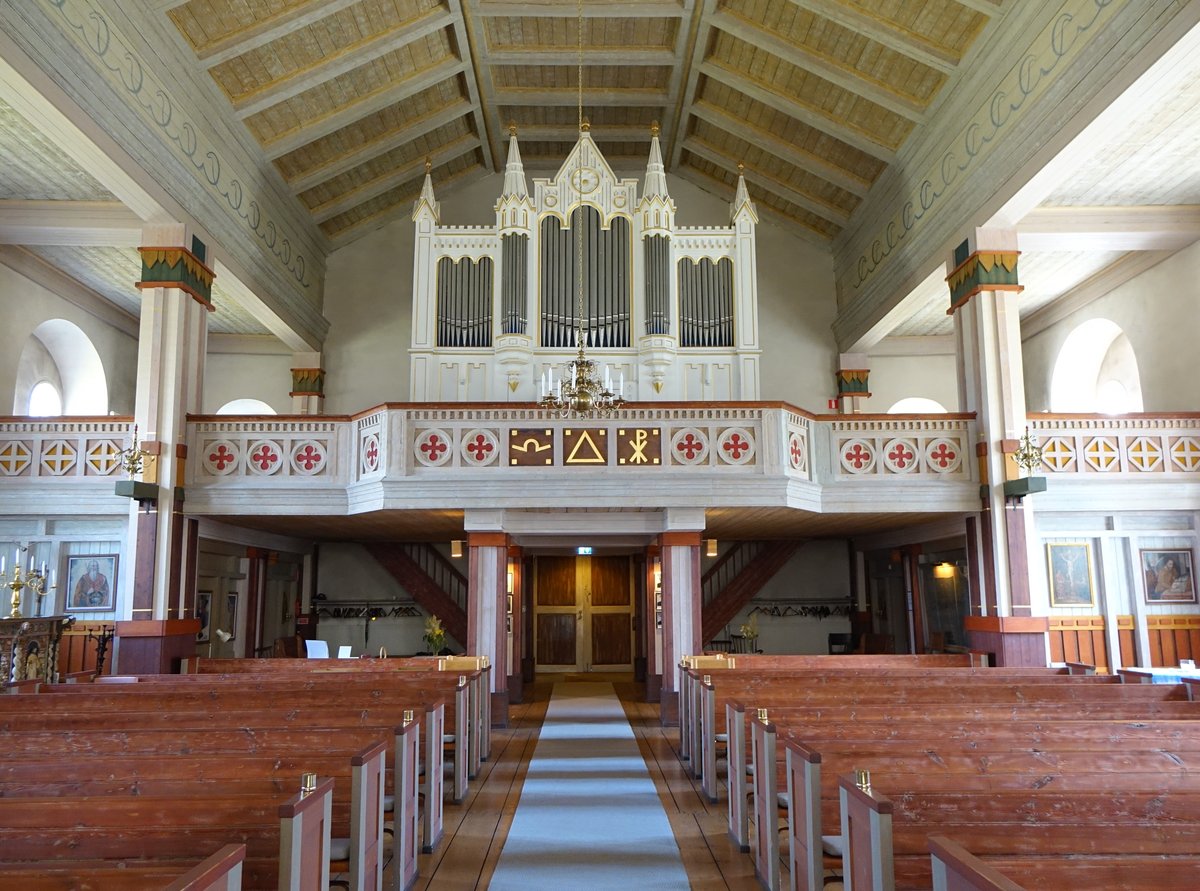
(1173,637)
(1079,639)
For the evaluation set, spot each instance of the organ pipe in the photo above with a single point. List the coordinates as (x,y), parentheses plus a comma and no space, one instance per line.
(606,273)
(464,303)
(705,303)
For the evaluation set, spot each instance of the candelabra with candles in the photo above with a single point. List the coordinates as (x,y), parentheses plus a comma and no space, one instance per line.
(581,392)
(35,580)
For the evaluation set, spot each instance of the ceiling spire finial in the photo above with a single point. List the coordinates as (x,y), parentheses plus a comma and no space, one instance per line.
(512,128)
(428,164)
(654,128)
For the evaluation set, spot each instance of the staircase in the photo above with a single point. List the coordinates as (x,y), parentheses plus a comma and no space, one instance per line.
(431,580)
(734,580)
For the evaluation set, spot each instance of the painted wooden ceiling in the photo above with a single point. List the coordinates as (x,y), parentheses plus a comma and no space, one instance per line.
(349,97)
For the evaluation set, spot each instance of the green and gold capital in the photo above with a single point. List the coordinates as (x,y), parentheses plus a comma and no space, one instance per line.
(176,267)
(982,271)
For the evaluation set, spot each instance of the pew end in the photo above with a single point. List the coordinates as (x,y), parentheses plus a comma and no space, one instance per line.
(220,872)
(957,869)
(304,836)
(866,836)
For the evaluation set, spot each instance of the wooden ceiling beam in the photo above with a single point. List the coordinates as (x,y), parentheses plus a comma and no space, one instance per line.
(366,107)
(1139,228)
(784,151)
(402,209)
(414,130)
(593,9)
(792,109)
(685,37)
(847,78)
(380,184)
(284,88)
(268,30)
(469,34)
(884,33)
(570,133)
(570,97)
(717,188)
(687,97)
(108,223)
(987,7)
(713,155)
(569,56)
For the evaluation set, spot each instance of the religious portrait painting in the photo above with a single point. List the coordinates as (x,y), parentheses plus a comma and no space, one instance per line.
(1071,576)
(91,583)
(204,614)
(1168,576)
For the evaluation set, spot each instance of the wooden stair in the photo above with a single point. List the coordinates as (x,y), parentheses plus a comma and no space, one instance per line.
(422,586)
(740,590)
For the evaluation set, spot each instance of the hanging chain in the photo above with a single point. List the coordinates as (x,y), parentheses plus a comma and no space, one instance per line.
(579,175)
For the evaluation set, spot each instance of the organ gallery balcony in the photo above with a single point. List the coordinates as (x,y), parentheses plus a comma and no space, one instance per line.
(709,455)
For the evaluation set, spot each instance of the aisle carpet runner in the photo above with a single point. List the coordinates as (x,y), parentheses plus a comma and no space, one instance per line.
(589,815)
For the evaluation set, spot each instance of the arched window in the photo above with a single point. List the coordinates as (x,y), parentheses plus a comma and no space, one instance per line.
(917,405)
(245,407)
(60,355)
(1096,371)
(45,400)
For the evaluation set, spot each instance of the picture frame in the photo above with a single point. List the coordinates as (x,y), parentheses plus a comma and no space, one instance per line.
(204,614)
(231,600)
(1071,576)
(91,583)
(1167,575)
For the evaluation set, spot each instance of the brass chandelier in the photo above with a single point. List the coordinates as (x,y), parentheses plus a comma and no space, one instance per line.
(581,391)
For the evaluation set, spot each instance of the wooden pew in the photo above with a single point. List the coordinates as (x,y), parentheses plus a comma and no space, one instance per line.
(955,869)
(198,774)
(286,836)
(959,749)
(220,872)
(476,668)
(987,689)
(412,689)
(886,842)
(692,668)
(756,684)
(473,727)
(153,719)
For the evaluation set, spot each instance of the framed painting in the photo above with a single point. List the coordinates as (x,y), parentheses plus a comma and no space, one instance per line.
(91,583)
(1168,576)
(204,614)
(231,614)
(1071,576)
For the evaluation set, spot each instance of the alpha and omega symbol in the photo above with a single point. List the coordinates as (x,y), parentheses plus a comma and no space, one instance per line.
(530,448)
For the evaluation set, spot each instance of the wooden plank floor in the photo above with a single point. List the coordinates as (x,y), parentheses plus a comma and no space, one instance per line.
(476,828)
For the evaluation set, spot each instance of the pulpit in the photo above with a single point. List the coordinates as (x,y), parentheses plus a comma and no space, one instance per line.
(29,648)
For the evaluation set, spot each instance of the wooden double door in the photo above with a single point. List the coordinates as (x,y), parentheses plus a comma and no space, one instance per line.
(583,614)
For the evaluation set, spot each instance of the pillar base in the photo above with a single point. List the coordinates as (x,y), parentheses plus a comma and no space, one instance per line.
(500,709)
(1012,641)
(516,689)
(668,708)
(154,646)
(653,687)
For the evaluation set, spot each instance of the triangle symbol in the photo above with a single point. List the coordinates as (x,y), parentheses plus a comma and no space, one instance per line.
(591,455)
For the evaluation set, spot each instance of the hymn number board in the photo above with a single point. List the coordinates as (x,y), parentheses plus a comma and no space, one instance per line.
(585,447)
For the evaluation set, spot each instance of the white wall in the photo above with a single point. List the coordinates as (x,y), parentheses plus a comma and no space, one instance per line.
(1159,311)
(896,377)
(368,301)
(118,351)
(229,376)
